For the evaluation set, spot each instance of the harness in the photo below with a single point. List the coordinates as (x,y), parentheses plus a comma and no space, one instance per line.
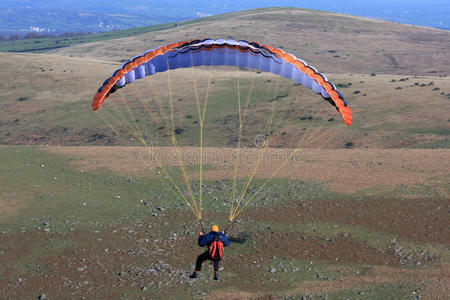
(215,249)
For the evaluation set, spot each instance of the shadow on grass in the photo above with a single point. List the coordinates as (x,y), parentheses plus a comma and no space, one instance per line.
(240,238)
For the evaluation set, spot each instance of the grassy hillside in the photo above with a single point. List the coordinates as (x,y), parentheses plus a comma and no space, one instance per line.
(45,44)
(89,229)
(358,212)
(50,104)
(333,42)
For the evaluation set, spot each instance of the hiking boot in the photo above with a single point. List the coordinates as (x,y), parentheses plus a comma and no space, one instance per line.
(194,275)
(216,277)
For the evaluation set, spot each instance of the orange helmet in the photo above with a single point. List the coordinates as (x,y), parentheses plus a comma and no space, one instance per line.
(215,228)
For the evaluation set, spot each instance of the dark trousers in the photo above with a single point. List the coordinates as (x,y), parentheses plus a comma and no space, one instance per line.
(205,256)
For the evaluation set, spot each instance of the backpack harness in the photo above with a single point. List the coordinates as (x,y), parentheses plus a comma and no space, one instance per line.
(215,250)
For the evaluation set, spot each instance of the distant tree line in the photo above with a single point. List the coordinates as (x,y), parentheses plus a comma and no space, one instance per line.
(41,35)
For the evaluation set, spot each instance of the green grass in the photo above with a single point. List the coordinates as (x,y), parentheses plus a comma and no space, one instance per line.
(436,131)
(427,190)
(381,241)
(39,249)
(381,291)
(221,124)
(378,240)
(46,186)
(49,188)
(304,270)
(409,129)
(369,291)
(445,144)
(52,193)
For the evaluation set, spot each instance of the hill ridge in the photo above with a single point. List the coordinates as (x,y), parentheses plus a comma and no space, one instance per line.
(334,42)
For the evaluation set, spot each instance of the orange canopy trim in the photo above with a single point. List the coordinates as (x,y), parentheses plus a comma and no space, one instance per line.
(224,52)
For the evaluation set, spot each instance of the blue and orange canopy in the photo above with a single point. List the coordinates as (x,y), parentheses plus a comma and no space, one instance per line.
(224,52)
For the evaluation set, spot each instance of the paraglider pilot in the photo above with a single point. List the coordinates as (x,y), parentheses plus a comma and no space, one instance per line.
(215,242)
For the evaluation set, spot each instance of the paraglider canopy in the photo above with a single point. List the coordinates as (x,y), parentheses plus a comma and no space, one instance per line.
(218,52)
(247,117)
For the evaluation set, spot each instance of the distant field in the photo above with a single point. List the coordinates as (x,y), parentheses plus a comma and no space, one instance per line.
(50,104)
(46,44)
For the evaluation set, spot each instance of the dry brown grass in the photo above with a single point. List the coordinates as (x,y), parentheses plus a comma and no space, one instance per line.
(46,81)
(345,171)
(10,204)
(362,45)
(388,111)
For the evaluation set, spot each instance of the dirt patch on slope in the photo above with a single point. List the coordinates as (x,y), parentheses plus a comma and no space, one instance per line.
(10,204)
(338,250)
(113,260)
(413,219)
